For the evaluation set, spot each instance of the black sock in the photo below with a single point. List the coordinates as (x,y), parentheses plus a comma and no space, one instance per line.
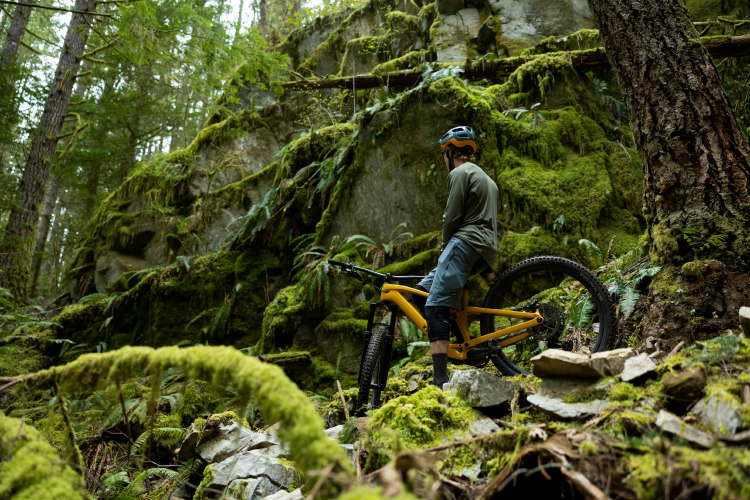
(439,369)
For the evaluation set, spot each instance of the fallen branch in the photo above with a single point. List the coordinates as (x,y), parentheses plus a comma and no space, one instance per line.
(584,60)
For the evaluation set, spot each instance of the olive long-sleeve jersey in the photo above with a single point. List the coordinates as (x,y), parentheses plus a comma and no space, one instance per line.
(471,211)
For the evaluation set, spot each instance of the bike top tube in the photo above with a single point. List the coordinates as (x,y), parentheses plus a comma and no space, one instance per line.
(380,278)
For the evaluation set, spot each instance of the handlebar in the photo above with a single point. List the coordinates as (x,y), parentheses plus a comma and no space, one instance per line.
(380,278)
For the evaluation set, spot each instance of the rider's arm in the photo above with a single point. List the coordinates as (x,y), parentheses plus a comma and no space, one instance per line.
(454,209)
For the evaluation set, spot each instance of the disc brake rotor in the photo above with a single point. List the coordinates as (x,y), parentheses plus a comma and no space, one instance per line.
(554,322)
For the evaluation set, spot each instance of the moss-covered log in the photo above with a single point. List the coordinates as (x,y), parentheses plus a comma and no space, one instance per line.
(278,399)
(583,60)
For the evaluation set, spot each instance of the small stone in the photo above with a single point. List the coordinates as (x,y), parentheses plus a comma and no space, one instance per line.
(481,389)
(252,464)
(694,269)
(685,385)
(233,438)
(187,448)
(567,411)
(669,422)
(483,425)
(560,386)
(559,363)
(333,432)
(286,495)
(637,367)
(256,488)
(413,385)
(745,321)
(351,453)
(720,413)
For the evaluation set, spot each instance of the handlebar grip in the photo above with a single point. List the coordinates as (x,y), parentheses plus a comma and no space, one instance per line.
(338,263)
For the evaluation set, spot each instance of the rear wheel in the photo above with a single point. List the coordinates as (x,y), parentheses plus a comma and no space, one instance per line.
(578,313)
(370,372)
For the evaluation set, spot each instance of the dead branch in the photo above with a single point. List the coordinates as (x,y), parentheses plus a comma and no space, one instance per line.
(733,46)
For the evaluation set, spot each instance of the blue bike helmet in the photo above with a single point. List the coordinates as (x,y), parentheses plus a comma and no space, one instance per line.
(460,137)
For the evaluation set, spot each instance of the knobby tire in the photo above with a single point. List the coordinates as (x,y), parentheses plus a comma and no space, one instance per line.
(579,315)
(368,371)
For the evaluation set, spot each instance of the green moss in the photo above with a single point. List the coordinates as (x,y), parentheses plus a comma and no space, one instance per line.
(419,420)
(409,60)
(208,479)
(719,472)
(31,468)
(515,247)
(418,264)
(277,398)
(580,40)
(226,418)
(283,315)
(694,269)
(372,493)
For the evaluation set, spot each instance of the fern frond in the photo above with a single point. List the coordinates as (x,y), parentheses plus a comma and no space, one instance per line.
(627,301)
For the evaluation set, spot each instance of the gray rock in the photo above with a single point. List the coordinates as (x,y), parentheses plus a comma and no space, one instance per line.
(449,7)
(560,386)
(745,320)
(413,385)
(637,367)
(286,495)
(256,488)
(481,389)
(351,453)
(233,438)
(671,423)
(187,448)
(567,411)
(559,363)
(453,34)
(333,432)
(720,413)
(250,465)
(483,425)
(531,20)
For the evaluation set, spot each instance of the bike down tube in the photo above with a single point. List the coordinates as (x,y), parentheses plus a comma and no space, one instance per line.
(391,293)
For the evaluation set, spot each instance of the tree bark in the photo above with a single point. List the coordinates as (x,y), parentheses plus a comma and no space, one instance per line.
(696,159)
(50,199)
(8,74)
(15,249)
(17,28)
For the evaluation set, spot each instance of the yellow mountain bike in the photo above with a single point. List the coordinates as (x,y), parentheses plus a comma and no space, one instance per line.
(539,303)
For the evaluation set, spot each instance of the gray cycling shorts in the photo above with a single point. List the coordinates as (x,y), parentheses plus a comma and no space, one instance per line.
(446,282)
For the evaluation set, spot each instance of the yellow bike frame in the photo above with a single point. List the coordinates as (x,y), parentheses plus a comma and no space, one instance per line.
(392,293)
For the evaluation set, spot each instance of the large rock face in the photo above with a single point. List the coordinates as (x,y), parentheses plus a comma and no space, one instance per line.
(283,178)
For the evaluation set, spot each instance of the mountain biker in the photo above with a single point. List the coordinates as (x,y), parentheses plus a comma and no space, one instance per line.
(469,240)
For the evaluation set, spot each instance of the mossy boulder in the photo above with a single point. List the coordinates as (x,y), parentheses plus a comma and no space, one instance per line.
(31,467)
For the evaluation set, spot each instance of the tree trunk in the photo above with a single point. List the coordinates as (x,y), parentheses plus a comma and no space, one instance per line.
(50,199)
(8,74)
(696,160)
(262,17)
(17,28)
(15,249)
(697,167)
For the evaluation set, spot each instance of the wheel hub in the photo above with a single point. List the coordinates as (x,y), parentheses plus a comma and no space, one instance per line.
(554,322)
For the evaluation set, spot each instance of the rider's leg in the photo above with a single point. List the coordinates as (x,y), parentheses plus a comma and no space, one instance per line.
(425,284)
(438,319)
(452,272)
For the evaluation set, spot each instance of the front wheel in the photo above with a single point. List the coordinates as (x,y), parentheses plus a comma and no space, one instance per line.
(370,372)
(578,313)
